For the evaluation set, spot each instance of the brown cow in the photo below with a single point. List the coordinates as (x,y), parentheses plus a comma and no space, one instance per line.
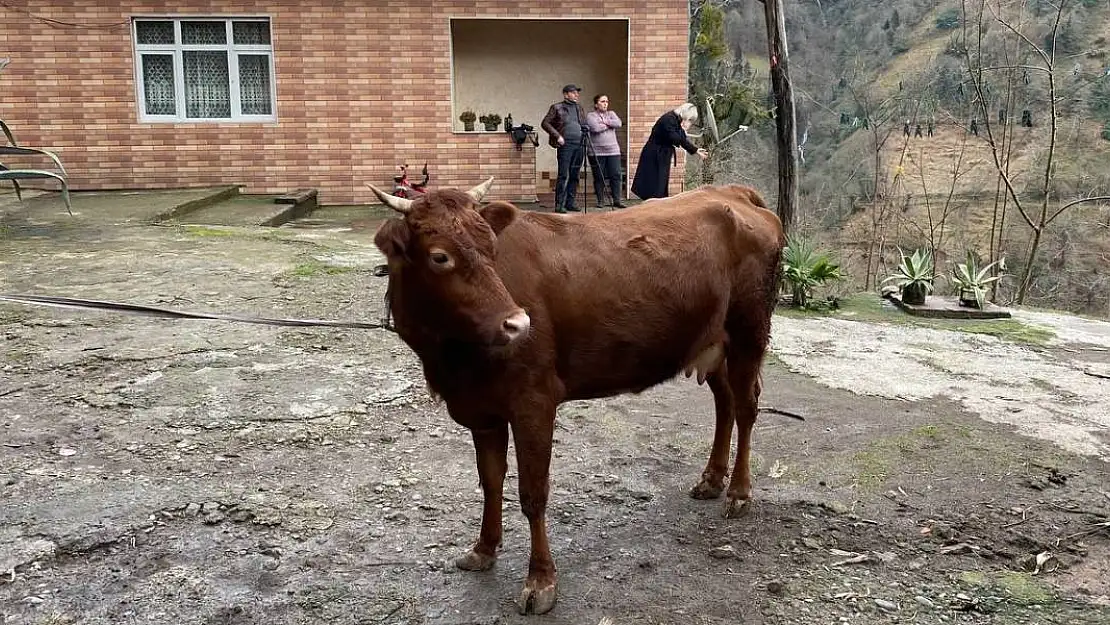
(514,312)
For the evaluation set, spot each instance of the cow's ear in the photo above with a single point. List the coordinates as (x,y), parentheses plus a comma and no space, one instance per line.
(498,215)
(392,238)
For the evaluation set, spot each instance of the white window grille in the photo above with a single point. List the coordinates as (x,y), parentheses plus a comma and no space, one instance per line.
(204,69)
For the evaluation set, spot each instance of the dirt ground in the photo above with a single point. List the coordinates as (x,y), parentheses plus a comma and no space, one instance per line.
(176,471)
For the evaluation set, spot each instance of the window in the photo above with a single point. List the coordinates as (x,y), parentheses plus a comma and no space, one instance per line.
(202,69)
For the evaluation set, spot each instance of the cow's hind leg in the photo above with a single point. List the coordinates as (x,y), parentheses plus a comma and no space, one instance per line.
(744,380)
(712,482)
(491,447)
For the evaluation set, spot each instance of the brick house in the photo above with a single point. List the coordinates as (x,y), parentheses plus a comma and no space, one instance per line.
(278,95)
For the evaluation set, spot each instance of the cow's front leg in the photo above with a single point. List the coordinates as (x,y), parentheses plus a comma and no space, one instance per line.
(532,439)
(490,448)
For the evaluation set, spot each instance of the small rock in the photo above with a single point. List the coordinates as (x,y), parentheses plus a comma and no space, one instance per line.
(33,600)
(211,506)
(924,601)
(944,531)
(66,451)
(213,518)
(723,552)
(835,507)
(241,515)
(957,549)
(192,509)
(889,606)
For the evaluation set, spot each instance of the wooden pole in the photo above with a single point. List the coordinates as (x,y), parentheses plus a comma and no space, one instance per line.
(785,116)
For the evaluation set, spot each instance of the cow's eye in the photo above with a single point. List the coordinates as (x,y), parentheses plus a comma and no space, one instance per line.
(440,260)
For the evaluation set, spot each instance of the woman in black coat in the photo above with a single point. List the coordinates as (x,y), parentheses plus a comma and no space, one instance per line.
(654,169)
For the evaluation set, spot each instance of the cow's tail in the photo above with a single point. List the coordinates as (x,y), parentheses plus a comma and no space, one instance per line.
(774,274)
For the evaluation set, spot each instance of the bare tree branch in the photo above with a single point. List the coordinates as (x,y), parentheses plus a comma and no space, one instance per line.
(1100,198)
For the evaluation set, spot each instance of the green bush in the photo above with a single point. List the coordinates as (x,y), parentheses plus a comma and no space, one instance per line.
(804,268)
(949,19)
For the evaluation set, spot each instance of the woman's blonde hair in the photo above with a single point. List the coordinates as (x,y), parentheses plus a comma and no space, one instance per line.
(686,111)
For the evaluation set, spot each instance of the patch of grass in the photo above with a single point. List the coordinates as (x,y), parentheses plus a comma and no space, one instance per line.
(1017,587)
(1008,330)
(929,431)
(873,467)
(887,458)
(312,268)
(205,231)
(871,308)
(962,431)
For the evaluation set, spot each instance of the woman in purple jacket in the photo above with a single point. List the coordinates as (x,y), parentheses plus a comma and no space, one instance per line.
(605,152)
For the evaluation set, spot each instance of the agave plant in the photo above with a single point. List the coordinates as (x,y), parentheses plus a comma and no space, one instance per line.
(972,282)
(915,276)
(804,268)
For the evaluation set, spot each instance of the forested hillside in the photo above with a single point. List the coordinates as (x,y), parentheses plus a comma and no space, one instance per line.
(990,171)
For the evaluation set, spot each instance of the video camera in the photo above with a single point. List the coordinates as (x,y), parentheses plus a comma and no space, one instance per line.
(520,134)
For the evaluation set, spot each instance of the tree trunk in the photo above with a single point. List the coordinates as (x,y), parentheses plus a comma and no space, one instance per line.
(785,116)
(1027,274)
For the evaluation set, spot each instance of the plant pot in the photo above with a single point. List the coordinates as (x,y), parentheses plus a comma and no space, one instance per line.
(967,298)
(468,126)
(491,127)
(914,293)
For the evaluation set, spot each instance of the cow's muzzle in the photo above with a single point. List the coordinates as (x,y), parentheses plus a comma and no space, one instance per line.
(513,328)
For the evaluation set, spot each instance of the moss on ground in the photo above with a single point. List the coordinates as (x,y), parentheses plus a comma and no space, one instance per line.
(314,267)
(871,308)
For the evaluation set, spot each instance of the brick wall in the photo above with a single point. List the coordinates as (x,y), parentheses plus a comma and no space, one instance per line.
(357,94)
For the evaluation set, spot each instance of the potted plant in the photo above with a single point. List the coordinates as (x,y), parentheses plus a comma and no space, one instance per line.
(490,121)
(971,281)
(804,268)
(468,118)
(914,277)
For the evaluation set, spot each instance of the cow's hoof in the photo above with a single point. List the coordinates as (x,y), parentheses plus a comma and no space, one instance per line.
(707,489)
(536,600)
(474,561)
(735,507)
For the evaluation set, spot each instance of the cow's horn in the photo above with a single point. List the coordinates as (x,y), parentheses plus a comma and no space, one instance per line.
(481,190)
(400,204)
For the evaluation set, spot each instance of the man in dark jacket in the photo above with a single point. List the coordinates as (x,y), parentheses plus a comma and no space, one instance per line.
(565,124)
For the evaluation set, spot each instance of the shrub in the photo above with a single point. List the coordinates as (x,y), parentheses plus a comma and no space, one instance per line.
(804,268)
(914,276)
(971,280)
(949,19)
